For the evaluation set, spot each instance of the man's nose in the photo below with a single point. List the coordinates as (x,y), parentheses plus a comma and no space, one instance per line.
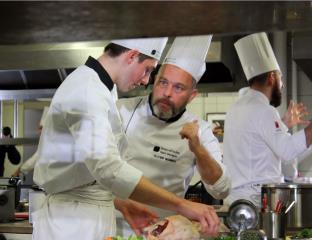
(168,90)
(145,80)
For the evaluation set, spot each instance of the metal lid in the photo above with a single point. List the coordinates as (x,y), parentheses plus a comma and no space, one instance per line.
(287,185)
(242,215)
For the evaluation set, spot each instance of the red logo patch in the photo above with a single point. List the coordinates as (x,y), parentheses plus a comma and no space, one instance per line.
(276,124)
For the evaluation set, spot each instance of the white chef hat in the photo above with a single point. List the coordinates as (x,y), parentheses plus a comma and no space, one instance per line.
(189,53)
(256,55)
(44,116)
(151,47)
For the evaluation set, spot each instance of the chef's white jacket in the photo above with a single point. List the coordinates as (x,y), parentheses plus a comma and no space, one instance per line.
(255,143)
(79,141)
(156,148)
(80,144)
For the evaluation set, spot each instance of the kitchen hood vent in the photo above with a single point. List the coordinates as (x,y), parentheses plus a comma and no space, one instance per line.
(43,66)
(220,62)
(216,73)
(32,79)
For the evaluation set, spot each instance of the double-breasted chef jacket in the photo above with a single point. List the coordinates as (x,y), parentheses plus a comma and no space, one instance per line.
(157,149)
(79,163)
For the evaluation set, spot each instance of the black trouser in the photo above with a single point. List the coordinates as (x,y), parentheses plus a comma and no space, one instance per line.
(2,157)
(13,156)
(2,237)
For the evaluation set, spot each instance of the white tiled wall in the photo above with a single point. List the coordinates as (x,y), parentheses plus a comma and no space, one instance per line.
(211,103)
(197,106)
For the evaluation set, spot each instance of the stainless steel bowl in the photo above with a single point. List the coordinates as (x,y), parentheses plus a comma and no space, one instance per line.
(242,215)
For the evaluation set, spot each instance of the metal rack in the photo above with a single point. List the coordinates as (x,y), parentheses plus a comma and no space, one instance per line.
(19,141)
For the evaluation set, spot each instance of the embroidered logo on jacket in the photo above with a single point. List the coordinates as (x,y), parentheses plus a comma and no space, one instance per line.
(166,154)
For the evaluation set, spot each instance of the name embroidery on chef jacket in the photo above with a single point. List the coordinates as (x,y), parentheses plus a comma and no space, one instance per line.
(166,154)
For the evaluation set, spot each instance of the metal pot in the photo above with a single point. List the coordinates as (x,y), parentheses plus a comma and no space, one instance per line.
(297,196)
(242,215)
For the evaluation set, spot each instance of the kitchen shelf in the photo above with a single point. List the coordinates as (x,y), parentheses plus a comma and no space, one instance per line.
(19,141)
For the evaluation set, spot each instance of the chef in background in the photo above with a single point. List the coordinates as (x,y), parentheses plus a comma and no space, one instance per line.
(9,151)
(29,164)
(167,142)
(292,117)
(79,163)
(256,140)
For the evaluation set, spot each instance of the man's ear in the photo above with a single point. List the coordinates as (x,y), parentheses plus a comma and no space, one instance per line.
(270,78)
(131,55)
(193,95)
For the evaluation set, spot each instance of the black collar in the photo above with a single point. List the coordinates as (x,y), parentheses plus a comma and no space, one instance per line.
(170,120)
(99,69)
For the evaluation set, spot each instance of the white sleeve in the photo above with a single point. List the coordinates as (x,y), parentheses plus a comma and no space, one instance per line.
(220,189)
(96,143)
(284,145)
(290,170)
(29,164)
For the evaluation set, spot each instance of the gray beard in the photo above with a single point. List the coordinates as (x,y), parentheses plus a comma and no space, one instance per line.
(162,115)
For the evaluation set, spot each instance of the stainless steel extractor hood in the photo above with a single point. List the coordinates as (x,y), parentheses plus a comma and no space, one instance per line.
(72,21)
(43,66)
(41,42)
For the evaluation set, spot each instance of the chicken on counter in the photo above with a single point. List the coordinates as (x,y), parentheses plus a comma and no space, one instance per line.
(174,227)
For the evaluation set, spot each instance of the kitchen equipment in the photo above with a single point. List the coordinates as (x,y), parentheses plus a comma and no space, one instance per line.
(290,206)
(273,224)
(7,207)
(242,215)
(299,215)
(252,234)
(9,198)
(198,193)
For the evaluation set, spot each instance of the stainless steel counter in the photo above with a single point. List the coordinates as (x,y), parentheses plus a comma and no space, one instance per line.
(24,227)
(19,226)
